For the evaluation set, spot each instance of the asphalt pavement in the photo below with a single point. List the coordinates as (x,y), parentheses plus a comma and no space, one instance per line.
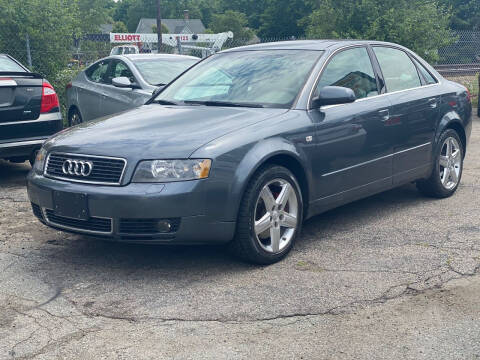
(394,276)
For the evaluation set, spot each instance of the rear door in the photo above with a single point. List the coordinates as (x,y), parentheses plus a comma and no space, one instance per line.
(413,115)
(90,90)
(354,148)
(115,99)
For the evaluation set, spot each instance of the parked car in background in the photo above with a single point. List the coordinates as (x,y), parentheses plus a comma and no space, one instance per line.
(121,82)
(124,50)
(248,143)
(29,111)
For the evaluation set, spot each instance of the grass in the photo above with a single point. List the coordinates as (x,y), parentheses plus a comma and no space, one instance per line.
(471,83)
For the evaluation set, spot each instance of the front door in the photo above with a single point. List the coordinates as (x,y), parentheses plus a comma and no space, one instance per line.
(354,149)
(115,99)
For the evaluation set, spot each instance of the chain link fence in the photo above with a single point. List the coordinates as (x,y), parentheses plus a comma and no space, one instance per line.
(61,60)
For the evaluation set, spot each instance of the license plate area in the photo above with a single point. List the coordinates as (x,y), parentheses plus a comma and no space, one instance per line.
(70,205)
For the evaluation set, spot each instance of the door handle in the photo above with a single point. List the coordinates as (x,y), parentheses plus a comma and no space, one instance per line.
(384,114)
(432,103)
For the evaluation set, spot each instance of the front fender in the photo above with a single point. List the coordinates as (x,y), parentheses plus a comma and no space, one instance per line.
(258,155)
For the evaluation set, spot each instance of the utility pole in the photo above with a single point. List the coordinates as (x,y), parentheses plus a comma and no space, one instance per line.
(159,25)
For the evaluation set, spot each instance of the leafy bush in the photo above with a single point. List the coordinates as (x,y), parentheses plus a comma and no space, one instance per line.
(60,82)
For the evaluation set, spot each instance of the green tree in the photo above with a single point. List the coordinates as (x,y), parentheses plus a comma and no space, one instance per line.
(280,18)
(232,21)
(50,26)
(466,14)
(119,27)
(418,24)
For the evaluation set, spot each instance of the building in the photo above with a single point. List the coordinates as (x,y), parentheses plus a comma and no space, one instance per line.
(174,26)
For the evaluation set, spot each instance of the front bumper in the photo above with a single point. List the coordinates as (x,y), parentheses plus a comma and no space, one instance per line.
(182,203)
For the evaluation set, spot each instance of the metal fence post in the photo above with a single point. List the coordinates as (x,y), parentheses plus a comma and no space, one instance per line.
(179,45)
(29,55)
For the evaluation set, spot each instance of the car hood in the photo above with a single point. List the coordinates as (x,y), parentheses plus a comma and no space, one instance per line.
(155,131)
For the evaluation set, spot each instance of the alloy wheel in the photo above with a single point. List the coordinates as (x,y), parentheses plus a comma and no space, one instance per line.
(276,215)
(450,162)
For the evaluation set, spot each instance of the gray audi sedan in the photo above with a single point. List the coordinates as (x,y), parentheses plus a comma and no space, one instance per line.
(121,82)
(251,141)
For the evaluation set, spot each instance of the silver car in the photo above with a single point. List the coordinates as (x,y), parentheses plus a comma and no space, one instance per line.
(121,82)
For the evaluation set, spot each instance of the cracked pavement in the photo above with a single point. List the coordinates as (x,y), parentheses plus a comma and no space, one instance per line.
(393,276)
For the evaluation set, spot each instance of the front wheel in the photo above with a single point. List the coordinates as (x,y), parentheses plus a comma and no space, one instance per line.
(270,216)
(447,167)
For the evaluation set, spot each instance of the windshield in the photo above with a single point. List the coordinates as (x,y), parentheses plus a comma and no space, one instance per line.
(162,71)
(9,65)
(270,78)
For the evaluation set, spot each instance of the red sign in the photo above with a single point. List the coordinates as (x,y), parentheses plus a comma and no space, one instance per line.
(127,37)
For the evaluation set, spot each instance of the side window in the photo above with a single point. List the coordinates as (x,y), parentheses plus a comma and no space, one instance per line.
(398,70)
(353,69)
(96,72)
(425,73)
(119,68)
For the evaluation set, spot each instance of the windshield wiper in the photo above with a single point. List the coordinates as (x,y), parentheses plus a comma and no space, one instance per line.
(165,102)
(222,103)
(160,84)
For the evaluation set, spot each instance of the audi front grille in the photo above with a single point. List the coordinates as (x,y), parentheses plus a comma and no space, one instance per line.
(85,168)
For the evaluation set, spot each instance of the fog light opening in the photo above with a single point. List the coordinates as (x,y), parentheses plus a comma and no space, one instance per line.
(164,226)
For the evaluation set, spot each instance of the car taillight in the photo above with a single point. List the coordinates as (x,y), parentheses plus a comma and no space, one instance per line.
(49,98)
(469,96)
(69,85)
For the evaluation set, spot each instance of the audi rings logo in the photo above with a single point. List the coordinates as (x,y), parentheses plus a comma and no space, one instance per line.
(77,167)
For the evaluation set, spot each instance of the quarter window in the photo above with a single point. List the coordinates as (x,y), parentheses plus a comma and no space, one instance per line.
(352,69)
(96,72)
(398,70)
(425,73)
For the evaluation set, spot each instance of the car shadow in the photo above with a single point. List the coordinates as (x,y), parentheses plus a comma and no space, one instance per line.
(12,174)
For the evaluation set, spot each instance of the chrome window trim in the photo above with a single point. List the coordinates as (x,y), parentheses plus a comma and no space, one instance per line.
(377,159)
(327,60)
(45,216)
(22,143)
(86,181)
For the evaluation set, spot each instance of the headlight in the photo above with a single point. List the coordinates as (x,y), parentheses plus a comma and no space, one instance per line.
(40,161)
(172,170)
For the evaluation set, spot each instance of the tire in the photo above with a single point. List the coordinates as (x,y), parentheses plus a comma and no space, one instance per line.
(74,117)
(31,160)
(439,185)
(284,219)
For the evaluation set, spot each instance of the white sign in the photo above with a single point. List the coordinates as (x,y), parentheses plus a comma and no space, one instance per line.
(170,39)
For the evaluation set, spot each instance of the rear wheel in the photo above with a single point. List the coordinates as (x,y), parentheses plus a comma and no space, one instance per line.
(447,168)
(270,217)
(74,117)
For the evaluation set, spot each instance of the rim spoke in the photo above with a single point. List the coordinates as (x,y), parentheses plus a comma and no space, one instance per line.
(263,224)
(453,175)
(268,198)
(446,176)
(443,161)
(449,148)
(456,155)
(288,220)
(275,238)
(284,195)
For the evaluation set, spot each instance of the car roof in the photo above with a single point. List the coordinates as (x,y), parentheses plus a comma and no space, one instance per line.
(173,57)
(314,45)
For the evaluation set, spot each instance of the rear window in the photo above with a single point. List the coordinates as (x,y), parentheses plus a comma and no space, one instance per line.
(398,70)
(7,64)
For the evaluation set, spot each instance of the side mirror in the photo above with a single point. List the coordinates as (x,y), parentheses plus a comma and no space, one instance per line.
(122,82)
(333,95)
